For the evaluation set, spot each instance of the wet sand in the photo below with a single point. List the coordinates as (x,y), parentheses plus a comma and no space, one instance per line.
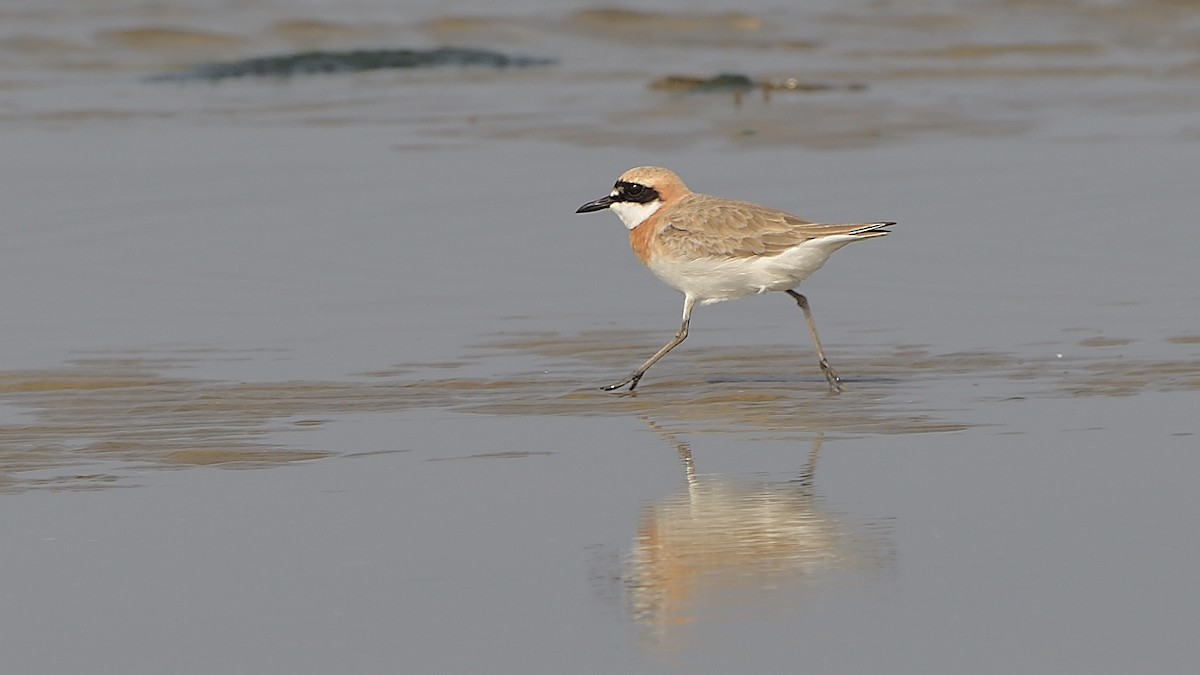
(303,376)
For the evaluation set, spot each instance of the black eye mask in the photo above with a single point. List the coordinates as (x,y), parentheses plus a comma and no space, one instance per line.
(634,192)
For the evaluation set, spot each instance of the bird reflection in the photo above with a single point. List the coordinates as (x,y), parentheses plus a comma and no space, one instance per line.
(723,545)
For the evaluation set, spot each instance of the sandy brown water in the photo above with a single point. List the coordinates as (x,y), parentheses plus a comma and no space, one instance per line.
(302,375)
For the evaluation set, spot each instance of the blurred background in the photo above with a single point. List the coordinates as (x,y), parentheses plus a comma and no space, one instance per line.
(302,338)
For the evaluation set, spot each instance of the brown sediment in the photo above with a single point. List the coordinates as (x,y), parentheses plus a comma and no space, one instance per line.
(317,33)
(987,51)
(1131,377)
(828,125)
(711,30)
(677,22)
(124,410)
(904,21)
(715,30)
(452,29)
(835,126)
(37,44)
(984,72)
(508,454)
(167,38)
(458,24)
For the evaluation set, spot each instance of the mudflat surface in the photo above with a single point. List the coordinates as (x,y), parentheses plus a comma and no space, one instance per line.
(302,375)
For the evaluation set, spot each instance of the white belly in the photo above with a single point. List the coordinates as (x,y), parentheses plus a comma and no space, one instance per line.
(710,280)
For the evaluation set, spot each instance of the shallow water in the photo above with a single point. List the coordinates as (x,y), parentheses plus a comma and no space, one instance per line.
(371,295)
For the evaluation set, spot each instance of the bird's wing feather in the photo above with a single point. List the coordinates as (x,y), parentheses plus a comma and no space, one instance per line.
(722,228)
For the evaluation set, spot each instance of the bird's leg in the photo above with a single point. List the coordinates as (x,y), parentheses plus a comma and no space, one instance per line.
(632,380)
(835,382)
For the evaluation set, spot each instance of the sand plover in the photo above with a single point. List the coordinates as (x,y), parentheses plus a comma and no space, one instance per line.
(712,249)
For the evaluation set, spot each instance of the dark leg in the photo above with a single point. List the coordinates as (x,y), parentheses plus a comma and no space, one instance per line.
(835,382)
(809,474)
(632,380)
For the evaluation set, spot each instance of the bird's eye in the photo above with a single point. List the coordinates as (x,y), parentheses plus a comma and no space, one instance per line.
(634,190)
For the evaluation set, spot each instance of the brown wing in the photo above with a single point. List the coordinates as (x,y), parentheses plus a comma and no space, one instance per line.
(723,228)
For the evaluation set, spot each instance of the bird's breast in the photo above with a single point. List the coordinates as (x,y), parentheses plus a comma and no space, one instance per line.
(641,240)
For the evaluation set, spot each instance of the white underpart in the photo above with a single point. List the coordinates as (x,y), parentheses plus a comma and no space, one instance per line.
(710,280)
(633,214)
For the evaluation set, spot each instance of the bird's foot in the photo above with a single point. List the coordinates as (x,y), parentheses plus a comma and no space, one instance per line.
(831,376)
(632,381)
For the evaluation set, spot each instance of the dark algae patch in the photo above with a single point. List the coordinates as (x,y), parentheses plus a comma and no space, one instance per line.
(724,82)
(333,62)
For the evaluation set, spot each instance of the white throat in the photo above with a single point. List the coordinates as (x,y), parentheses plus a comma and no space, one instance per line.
(634,214)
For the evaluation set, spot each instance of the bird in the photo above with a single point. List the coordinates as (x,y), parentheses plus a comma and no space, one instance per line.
(713,249)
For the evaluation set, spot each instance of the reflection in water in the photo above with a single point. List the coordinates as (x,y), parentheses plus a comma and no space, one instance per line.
(724,544)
